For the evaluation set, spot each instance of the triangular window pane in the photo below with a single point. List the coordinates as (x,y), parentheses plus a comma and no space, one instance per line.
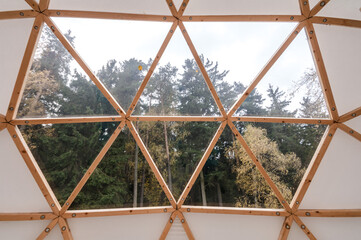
(65,151)
(177,148)
(118,51)
(56,86)
(112,183)
(238,50)
(291,87)
(177,86)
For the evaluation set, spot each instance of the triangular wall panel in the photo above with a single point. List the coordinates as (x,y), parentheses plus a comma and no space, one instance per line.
(349,9)
(23,229)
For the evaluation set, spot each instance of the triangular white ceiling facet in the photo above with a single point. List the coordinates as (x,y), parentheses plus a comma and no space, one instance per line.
(349,9)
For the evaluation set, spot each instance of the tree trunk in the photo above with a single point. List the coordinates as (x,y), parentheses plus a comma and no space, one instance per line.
(135,192)
(219,193)
(203,189)
(167,151)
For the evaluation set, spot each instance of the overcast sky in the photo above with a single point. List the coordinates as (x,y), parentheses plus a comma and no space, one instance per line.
(241,48)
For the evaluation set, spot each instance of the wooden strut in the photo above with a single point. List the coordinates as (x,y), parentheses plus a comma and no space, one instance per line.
(336,21)
(350,115)
(64,229)
(168,225)
(350,131)
(27,216)
(286,226)
(304,228)
(304,7)
(48,229)
(318,7)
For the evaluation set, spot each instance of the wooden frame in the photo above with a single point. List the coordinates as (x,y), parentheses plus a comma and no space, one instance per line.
(41,14)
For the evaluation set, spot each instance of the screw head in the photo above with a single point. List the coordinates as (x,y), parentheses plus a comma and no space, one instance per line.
(47,229)
(171,31)
(165,210)
(351,131)
(319,121)
(171,199)
(58,13)
(171,221)
(53,28)
(170,4)
(42,217)
(184,4)
(333,109)
(292,18)
(118,109)
(308,214)
(303,226)
(188,209)
(63,228)
(330,135)
(288,226)
(21,14)
(26,121)
(73,215)
(311,32)
(322,3)
(53,205)
(324,20)
(283,202)
(190,18)
(183,221)
(11,109)
(297,202)
(67,204)
(296,32)
(36,27)
(164,18)
(278,213)
(184,30)
(182,198)
(353,115)
(305,3)
(14,136)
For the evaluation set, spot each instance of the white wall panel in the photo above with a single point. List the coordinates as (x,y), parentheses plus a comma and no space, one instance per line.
(18,189)
(336,184)
(149,226)
(177,232)
(22,230)
(13,40)
(342,9)
(238,7)
(221,226)
(341,51)
(355,123)
(6,5)
(124,6)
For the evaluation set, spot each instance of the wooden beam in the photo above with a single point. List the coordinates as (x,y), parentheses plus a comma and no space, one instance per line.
(3,122)
(44,5)
(242,18)
(27,216)
(236,211)
(151,163)
(265,69)
(116,212)
(304,7)
(177,118)
(350,115)
(350,131)
(202,69)
(313,166)
(109,15)
(200,165)
(24,68)
(151,69)
(316,121)
(168,225)
(18,14)
(328,213)
(34,5)
(304,228)
(286,226)
(336,21)
(185,225)
(66,120)
(263,172)
(64,229)
(182,8)
(321,70)
(318,7)
(172,8)
(48,229)
(34,168)
(92,168)
(83,65)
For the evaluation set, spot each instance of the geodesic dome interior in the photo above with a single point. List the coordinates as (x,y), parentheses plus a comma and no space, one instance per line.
(326,201)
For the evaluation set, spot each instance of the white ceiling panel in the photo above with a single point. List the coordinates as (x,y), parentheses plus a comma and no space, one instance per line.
(349,9)
(6,5)
(23,230)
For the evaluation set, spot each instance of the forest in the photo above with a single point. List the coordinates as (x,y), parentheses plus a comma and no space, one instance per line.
(54,88)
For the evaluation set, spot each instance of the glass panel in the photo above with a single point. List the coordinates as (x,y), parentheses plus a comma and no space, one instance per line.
(238,57)
(177,86)
(65,151)
(56,86)
(177,148)
(112,183)
(120,52)
(290,88)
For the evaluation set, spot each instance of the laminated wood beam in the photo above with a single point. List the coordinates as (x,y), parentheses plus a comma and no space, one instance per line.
(168,225)
(66,120)
(64,229)
(286,226)
(350,115)
(304,7)
(343,213)
(336,21)
(318,7)
(242,18)
(350,131)
(317,121)
(20,14)
(27,216)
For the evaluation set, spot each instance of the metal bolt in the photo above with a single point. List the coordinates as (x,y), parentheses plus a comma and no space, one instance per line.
(183,221)
(11,109)
(333,109)
(47,229)
(14,136)
(42,217)
(118,109)
(287,226)
(184,30)
(113,119)
(303,226)
(73,215)
(63,228)
(283,201)
(131,108)
(184,4)
(319,121)
(324,20)
(297,202)
(171,221)
(164,18)
(165,210)
(67,204)
(52,204)
(53,28)
(26,121)
(171,31)
(171,199)
(322,3)
(188,209)
(305,3)
(278,213)
(296,32)
(351,131)
(353,115)
(170,4)
(291,17)
(182,198)
(58,13)
(190,18)
(36,27)
(330,134)
(21,14)
(308,214)
(311,32)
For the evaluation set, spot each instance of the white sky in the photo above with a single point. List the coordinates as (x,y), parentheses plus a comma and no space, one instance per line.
(242,48)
